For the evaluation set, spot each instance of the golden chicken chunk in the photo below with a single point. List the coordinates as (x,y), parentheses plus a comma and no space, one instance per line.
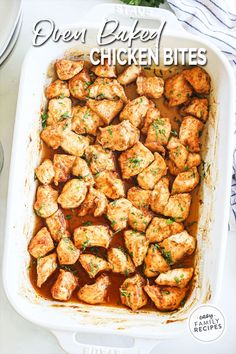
(166,298)
(79,84)
(58,109)
(81,170)
(152,87)
(158,134)
(93,264)
(95,293)
(118,137)
(64,286)
(45,172)
(73,194)
(67,253)
(57,225)
(130,74)
(110,184)
(179,277)
(53,135)
(178,246)
(95,202)
(139,198)
(118,212)
(99,159)
(92,236)
(106,109)
(41,243)
(105,70)
(85,121)
(199,80)
(62,165)
(66,69)
(45,267)
(161,228)
(177,152)
(193,160)
(160,195)
(56,89)
(153,173)
(185,182)
(197,107)
(135,111)
(137,245)
(177,90)
(190,132)
(135,160)
(178,206)
(139,219)
(120,261)
(154,262)
(153,114)
(74,144)
(106,88)
(132,293)
(46,201)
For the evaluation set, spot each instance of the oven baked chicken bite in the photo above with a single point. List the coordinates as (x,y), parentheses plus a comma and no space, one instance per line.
(139,219)
(57,88)
(177,90)
(197,107)
(152,87)
(178,206)
(74,144)
(193,160)
(139,197)
(95,293)
(79,84)
(120,261)
(110,184)
(161,228)
(57,225)
(135,111)
(106,88)
(118,212)
(148,178)
(137,245)
(186,181)
(99,159)
(64,286)
(177,152)
(45,267)
(41,243)
(85,121)
(166,298)
(135,160)
(92,236)
(81,170)
(62,165)
(199,79)
(153,114)
(58,109)
(106,109)
(190,132)
(73,194)
(45,172)
(104,70)
(154,262)
(66,69)
(130,74)
(93,264)
(179,277)
(67,253)
(53,135)
(132,293)
(95,202)
(158,134)
(160,195)
(46,201)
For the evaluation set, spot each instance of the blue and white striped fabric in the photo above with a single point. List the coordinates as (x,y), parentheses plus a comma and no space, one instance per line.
(212,20)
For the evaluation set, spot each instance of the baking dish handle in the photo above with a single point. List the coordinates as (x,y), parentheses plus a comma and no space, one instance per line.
(70,343)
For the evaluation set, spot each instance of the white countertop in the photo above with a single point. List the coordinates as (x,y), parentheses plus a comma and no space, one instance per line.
(18,336)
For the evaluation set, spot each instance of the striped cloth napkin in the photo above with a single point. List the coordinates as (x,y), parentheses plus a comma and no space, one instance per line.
(212,20)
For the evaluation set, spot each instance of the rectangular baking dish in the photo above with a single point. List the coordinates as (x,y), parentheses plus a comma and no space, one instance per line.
(67,320)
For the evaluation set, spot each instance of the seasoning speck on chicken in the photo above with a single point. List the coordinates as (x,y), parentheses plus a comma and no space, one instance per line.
(45,172)
(56,89)
(67,252)
(139,198)
(99,159)
(79,84)
(106,109)
(95,293)
(105,70)
(135,111)
(154,262)
(92,236)
(160,195)
(118,212)
(190,132)
(45,267)
(132,293)
(46,201)
(197,107)
(58,109)
(57,225)
(177,90)
(81,170)
(199,80)
(153,173)
(178,206)
(110,184)
(41,243)
(179,277)
(64,286)
(166,298)
(129,75)
(73,194)
(120,261)
(85,121)
(62,166)
(106,88)
(158,133)
(185,182)
(152,87)
(95,202)
(139,219)
(93,264)
(161,228)
(66,69)
(137,245)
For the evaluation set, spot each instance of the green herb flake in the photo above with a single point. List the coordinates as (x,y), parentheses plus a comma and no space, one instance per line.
(87,223)
(68,216)
(44,118)
(85,245)
(124,293)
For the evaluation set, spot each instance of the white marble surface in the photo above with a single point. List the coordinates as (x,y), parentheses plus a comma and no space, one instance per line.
(18,336)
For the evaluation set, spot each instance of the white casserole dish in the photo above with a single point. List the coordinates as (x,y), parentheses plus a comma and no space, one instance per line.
(66,320)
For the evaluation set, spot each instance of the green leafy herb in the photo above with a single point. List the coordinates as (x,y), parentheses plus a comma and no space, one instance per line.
(68,217)
(134,162)
(167,256)
(124,293)
(170,221)
(87,223)
(65,115)
(85,245)
(62,96)
(177,280)
(44,118)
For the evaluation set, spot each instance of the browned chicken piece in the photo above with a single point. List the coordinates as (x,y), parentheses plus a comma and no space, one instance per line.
(56,89)
(95,201)
(53,135)
(57,226)
(152,87)
(185,182)
(46,201)
(64,286)
(190,132)
(193,160)
(154,262)
(158,134)
(197,107)
(92,236)
(139,219)
(74,144)
(41,243)
(179,277)
(132,293)
(199,80)
(155,147)
(177,90)
(79,84)
(67,252)
(139,198)
(177,153)
(85,121)
(62,166)
(45,267)
(93,264)
(118,137)
(106,109)
(120,261)
(58,109)
(160,195)
(95,293)
(178,206)
(110,184)
(130,74)
(81,170)
(178,246)
(153,114)
(99,159)
(73,194)
(135,111)
(66,69)
(161,228)
(153,173)
(166,298)
(106,88)
(45,172)
(118,212)
(135,160)
(137,245)
(105,70)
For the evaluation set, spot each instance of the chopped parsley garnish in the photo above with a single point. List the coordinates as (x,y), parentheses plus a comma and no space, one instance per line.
(68,217)
(87,223)
(135,161)
(124,293)
(65,115)
(177,280)
(170,221)
(85,245)
(44,118)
